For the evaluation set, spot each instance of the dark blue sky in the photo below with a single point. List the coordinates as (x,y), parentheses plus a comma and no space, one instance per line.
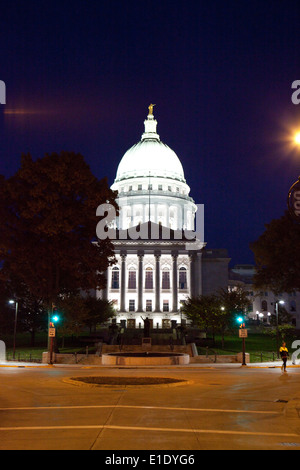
(220,73)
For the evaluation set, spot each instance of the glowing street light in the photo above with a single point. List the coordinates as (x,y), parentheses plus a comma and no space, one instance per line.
(281,302)
(297,138)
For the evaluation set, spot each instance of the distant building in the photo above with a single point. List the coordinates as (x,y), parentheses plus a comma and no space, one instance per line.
(158,266)
(263,303)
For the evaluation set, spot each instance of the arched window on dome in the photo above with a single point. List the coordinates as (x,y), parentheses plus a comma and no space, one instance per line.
(115,278)
(182,278)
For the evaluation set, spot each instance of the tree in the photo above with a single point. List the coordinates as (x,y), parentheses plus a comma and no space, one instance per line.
(98,311)
(48,227)
(32,316)
(217,312)
(277,256)
(6,311)
(72,312)
(233,304)
(200,310)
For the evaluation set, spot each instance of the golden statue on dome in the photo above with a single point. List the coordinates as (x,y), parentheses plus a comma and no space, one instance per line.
(151,108)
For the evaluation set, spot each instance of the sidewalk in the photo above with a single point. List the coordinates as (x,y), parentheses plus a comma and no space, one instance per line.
(209,365)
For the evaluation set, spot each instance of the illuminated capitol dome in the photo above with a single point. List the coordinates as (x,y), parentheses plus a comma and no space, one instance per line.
(155,272)
(151,184)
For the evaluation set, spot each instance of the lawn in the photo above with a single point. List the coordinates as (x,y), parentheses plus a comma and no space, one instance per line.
(261,347)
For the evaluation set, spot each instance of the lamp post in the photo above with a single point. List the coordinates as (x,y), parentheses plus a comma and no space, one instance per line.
(281,302)
(16,304)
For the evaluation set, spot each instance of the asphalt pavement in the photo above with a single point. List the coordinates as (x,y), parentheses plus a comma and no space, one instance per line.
(214,406)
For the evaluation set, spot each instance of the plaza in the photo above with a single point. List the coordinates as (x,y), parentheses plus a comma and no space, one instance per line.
(215,407)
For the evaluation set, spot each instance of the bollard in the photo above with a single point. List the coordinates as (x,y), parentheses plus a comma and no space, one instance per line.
(2,352)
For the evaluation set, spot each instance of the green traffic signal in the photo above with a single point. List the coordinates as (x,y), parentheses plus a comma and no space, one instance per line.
(55,314)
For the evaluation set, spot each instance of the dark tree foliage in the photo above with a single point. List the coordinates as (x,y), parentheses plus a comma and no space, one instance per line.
(48,224)
(277,256)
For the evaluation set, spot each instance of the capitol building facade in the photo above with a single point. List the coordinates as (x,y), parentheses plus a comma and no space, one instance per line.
(161,259)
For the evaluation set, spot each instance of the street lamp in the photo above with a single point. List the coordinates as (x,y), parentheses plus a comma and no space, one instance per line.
(297,138)
(281,302)
(16,304)
(269,316)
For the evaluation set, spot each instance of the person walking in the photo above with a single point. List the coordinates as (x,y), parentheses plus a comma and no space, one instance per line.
(284,353)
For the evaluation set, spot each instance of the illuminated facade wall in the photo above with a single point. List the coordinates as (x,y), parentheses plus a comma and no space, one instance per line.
(152,276)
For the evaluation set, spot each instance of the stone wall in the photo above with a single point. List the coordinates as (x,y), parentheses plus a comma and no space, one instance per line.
(190,349)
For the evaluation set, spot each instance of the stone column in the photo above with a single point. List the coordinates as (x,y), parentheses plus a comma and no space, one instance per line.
(167,211)
(146,213)
(140,281)
(198,277)
(192,274)
(157,281)
(106,289)
(175,282)
(123,281)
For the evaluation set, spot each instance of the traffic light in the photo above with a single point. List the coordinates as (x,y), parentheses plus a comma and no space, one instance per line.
(240,321)
(55,315)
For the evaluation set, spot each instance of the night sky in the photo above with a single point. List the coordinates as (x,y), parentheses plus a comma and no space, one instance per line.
(80,76)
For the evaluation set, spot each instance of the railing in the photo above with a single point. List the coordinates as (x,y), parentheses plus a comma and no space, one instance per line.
(158,192)
(213,353)
(264,356)
(19,357)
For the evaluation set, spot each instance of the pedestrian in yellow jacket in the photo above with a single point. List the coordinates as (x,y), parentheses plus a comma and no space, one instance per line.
(284,353)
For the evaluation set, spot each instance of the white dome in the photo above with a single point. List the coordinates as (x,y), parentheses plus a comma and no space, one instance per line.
(151,185)
(150,157)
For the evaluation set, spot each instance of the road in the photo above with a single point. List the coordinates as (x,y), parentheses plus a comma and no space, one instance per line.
(228,407)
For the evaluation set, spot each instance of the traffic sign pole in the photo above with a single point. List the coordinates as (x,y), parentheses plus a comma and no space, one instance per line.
(243,333)
(244,352)
(51,336)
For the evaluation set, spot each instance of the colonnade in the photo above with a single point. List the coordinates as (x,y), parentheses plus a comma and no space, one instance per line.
(193,280)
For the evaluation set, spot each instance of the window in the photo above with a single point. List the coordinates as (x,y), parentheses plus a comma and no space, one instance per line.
(131,305)
(169,188)
(150,187)
(166,280)
(130,188)
(160,187)
(165,306)
(264,306)
(115,278)
(140,187)
(131,323)
(132,280)
(148,305)
(149,279)
(182,278)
